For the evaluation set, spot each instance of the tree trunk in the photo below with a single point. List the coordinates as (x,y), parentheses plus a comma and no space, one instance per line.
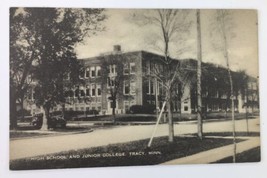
(63,110)
(113,110)
(22,108)
(170,121)
(46,117)
(13,111)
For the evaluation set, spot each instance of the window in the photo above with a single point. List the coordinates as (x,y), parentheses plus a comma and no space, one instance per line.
(87,72)
(98,90)
(126,88)
(186,108)
(151,87)
(112,69)
(111,82)
(147,68)
(147,87)
(87,91)
(93,91)
(93,73)
(98,71)
(77,92)
(160,89)
(82,92)
(132,68)
(126,70)
(132,87)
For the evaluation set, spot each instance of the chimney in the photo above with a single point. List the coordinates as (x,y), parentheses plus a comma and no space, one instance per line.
(117,48)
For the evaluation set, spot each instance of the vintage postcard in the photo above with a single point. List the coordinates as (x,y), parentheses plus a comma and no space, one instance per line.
(133,87)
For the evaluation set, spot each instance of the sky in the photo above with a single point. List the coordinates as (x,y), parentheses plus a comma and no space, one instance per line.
(122,30)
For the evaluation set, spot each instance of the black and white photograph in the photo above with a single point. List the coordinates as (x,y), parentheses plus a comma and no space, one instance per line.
(113,87)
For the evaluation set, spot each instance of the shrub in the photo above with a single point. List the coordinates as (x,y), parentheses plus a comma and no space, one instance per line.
(93,111)
(74,114)
(142,109)
(24,112)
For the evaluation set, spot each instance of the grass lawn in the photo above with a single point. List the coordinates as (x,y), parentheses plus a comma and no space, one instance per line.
(252,155)
(20,134)
(24,133)
(123,154)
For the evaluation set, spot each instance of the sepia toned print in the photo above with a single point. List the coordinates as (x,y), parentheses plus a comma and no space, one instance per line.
(132,87)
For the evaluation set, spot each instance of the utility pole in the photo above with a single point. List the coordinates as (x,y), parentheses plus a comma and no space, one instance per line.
(199,61)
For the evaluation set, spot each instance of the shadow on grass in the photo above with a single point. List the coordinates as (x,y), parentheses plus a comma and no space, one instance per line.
(123,154)
(27,128)
(253,155)
(238,134)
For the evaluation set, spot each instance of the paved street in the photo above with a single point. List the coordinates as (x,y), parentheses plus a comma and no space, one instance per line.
(22,148)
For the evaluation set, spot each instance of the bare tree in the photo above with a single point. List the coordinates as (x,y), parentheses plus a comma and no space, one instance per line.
(116,78)
(170,25)
(224,22)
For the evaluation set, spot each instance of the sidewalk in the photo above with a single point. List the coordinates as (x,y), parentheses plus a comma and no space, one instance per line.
(216,154)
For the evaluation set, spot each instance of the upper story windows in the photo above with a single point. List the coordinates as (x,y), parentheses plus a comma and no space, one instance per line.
(112,69)
(98,71)
(126,69)
(132,68)
(111,82)
(129,68)
(87,72)
(92,72)
(129,87)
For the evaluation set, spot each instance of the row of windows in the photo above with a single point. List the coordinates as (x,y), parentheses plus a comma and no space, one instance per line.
(93,90)
(150,87)
(151,67)
(84,108)
(95,71)
(129,68)
(129,88)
